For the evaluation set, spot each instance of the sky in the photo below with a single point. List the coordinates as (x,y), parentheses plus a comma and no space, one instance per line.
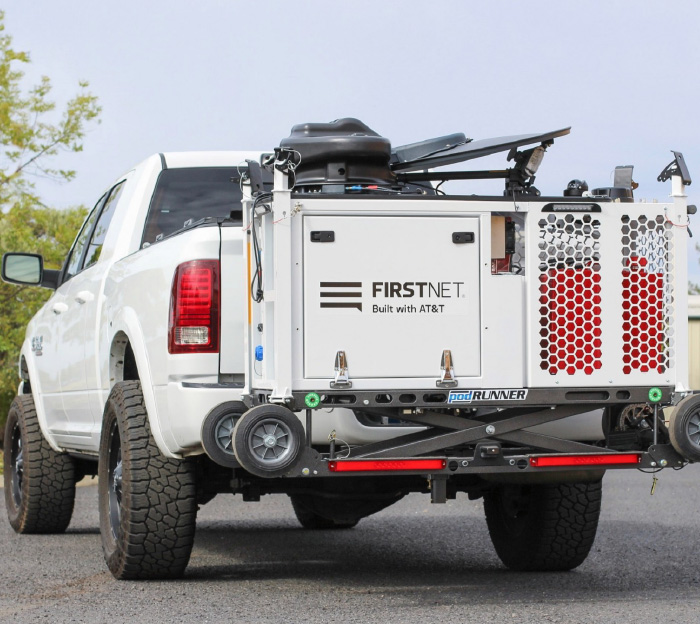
(232,75)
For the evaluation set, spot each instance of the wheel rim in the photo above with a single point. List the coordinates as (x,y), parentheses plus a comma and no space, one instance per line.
(17,462)
(270,442)
(694,428)
(224,431)
(115,481)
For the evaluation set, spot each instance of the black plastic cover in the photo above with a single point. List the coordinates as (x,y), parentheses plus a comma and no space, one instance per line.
(344,151)
(575,188)
(615,192)
(423,149)
(476,149)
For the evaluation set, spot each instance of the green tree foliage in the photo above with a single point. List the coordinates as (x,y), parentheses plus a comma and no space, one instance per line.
(32,132)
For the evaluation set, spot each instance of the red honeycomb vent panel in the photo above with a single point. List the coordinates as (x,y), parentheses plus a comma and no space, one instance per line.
(647,295)
(570,294)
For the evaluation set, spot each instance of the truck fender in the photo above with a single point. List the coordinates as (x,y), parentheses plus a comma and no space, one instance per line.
(126,325)
(26,353)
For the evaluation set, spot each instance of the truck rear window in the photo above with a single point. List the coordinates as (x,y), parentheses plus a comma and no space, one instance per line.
(186,195)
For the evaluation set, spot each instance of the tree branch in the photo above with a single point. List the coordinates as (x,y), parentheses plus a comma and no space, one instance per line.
(36,156)
(13,295)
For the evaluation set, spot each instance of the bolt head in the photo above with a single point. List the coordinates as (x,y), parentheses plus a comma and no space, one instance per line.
(490,429)
(512,462)
(653,464)
(305,472)
(465,463)
(663,462)
(366,402)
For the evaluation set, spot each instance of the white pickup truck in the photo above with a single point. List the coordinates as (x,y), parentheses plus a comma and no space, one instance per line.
(332,326)
(149,306)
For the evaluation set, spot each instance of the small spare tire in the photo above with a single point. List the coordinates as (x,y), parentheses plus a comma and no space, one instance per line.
(684,428)
(268,440)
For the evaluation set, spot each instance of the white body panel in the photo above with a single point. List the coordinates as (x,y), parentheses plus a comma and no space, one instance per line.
(234,302)
(374,294)
(500,304)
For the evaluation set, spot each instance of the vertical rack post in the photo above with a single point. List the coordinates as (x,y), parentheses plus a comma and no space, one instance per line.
(279,296)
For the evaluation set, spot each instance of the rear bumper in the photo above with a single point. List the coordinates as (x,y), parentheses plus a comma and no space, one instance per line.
(507,466)
(463,398)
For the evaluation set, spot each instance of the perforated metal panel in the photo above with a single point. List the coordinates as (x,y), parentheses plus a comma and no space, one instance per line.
(647,294)
(519,252)
(570,294)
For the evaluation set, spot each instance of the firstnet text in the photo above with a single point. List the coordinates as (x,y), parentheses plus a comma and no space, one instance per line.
(440,290)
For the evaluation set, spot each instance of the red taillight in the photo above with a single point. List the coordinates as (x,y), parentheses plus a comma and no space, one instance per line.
(603,459)
(194,308)
(385,465)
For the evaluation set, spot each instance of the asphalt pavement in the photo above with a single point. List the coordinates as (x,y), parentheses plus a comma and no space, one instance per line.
(413,562)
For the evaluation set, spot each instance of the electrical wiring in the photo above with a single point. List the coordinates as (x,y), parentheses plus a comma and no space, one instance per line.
(256,289)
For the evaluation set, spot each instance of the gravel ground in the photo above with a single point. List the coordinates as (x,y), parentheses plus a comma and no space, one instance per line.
(414,562)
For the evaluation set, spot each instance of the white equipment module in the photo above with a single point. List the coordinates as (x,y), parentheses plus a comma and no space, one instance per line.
(384,292)
(534,339)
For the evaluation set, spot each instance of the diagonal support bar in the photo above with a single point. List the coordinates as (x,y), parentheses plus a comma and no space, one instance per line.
(406,446)
(524,438)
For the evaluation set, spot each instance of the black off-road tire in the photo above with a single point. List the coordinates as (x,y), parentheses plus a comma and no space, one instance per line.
(313,521)
(543,527)
(148,528)
(39,481)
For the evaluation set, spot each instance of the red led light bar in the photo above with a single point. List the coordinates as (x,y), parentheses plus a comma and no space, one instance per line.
(604,459)
(385,465)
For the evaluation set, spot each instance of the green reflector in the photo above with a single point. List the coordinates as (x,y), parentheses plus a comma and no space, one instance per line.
(655,395)
(312,400)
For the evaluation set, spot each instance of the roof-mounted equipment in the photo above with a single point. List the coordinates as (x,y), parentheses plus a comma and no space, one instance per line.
(676,167)
(344,151)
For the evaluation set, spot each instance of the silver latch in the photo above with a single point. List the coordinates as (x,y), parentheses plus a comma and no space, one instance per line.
(341,372)
(447,379)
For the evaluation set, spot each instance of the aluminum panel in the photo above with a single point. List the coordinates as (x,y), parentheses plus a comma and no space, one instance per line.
(376,293)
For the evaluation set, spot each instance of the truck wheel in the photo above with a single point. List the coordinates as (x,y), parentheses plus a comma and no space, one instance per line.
(543,527)
(684,428)
(147,502)
(268,440)
(311,520)
(39,482)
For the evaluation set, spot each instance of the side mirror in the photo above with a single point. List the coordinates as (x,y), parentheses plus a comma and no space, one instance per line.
(27,270)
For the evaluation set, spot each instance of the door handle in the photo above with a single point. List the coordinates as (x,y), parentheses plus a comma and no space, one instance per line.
(84,296)
(59,307)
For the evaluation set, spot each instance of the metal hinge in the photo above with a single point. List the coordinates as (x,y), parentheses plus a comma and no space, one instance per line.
(447,379)
(341,372)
